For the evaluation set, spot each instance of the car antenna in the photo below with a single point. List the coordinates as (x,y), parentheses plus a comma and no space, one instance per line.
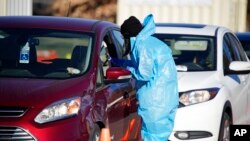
(69,8)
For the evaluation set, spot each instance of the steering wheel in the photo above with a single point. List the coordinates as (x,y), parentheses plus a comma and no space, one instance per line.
(193,66)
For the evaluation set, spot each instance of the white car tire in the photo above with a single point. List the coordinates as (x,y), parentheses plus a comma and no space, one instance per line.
(224,129)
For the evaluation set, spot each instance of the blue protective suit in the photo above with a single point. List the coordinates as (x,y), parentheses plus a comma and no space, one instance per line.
(153,67)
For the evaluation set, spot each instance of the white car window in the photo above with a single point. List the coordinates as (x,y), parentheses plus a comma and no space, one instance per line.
(237,48)
(191,53)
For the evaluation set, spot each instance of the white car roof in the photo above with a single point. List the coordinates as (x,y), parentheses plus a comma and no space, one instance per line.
(187,29)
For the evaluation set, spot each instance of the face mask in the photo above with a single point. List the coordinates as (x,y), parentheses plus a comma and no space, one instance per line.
(127,46)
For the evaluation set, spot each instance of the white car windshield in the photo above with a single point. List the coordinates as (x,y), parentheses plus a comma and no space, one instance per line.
(40,53)
(191,53)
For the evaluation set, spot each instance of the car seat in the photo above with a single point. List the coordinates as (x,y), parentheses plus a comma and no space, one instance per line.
(8,52)
(78,57)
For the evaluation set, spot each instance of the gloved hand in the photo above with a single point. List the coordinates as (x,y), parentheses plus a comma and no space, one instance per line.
(124,63)
(116,62)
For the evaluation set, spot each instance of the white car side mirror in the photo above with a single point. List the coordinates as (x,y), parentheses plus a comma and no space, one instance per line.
(239,66)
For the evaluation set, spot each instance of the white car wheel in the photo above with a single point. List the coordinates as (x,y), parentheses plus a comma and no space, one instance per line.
(224,131)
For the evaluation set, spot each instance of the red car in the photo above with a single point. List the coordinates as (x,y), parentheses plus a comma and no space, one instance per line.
(56,83)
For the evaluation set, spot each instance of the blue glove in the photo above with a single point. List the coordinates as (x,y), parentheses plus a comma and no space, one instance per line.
(121,62)
(116,62)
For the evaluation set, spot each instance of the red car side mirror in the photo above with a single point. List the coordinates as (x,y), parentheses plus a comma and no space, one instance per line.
(117,73)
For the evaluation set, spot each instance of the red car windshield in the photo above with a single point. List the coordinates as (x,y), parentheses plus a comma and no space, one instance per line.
(43,53)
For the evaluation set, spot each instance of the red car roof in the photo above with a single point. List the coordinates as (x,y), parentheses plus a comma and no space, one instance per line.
(52,22)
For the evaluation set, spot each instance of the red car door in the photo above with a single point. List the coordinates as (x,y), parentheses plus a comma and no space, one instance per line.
(133,121)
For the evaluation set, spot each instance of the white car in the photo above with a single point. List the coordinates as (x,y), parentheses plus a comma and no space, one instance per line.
(213,80)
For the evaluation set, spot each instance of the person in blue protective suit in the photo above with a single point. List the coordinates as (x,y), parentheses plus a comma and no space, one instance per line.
(153,68)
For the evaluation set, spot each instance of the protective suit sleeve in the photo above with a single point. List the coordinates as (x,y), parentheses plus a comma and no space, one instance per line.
(144,71)
(121,62)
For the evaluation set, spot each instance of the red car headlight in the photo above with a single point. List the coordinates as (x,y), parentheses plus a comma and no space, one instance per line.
(59,110)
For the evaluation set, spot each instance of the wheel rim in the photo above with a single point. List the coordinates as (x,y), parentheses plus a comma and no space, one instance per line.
(97,137)
(226,131)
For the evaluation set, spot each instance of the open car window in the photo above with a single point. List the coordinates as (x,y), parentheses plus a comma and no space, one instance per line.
(44,53)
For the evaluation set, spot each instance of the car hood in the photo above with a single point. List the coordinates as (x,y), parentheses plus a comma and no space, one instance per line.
(38,92)
(197,80)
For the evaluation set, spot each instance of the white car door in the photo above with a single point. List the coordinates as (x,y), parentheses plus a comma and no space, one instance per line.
(238,84)
(245,77)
